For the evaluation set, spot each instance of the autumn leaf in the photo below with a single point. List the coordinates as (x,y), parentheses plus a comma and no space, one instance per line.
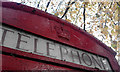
(116,27)
(74,12)
(80,18)
(68,20)
(95,29)
(107,10)
(110,15)
(114,44)
(56,14)
(114,32)
(88,22)
(91,32)
(116,15)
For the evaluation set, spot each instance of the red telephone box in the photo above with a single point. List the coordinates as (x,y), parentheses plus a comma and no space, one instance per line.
(35,40)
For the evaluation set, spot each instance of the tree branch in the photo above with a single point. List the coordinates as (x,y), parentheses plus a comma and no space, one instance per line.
(47,5)
(110,5)
(68,7)
(118,4)
(84,16)
(38,4)
(65,12)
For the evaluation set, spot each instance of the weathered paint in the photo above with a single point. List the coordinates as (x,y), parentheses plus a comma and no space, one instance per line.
(22,41)
(42,24)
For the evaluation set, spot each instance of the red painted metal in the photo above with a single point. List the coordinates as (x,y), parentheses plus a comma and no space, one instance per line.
(40,23)
(23,64)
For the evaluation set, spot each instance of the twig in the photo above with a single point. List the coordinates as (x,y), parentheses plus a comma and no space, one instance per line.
(47,5)
(38,4)
(118,4)
(68,7)
(84,16)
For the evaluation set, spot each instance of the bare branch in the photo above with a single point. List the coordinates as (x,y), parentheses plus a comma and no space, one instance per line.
(110,5)
(84,16)
(68,7)
(47,5)
(118,4)
(65,12)
(38,4)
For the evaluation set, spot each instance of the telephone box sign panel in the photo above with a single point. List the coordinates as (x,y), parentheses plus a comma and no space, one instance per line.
(22,41)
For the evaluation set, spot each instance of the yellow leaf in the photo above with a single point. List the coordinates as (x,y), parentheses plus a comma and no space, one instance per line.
(114,44)
(114,7)
(88,23)
(94,17)
(116,15)
(110,15)
(105,32)
(68,20)
(52,3)
(76,5)
(116,27)
(112,23)
(114,33)
(107,11)
(61,13)
(108,20)
(91,32)
(106,36)
(86,3)
(83,3)
(71,16)
(116,37)
(106,3)
(56,14)
(89,8)
(101,26)
(105,28)
(101,21)
(73,11)
(80,18)
(95,29)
